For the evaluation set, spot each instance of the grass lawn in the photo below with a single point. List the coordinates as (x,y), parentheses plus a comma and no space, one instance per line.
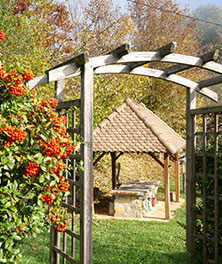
(123,242)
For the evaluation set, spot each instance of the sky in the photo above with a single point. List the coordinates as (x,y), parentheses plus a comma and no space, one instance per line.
(193,4)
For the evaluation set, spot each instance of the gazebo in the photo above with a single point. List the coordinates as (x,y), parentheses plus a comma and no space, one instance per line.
(132,128)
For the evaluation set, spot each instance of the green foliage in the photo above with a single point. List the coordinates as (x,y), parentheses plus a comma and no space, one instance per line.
(33,143)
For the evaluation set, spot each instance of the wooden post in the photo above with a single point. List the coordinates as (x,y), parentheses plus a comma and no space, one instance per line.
(86,124)
(113,157)
(166,186)
(177,177)
(54,235)
(190,127)
(60,90)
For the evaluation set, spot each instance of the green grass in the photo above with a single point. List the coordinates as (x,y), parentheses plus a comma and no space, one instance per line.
(123,242)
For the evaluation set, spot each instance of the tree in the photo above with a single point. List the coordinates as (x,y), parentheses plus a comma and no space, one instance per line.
(211,34)
(158,22)
(35,29)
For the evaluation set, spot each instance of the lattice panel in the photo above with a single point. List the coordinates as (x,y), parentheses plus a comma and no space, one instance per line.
(65,247)
(207,173)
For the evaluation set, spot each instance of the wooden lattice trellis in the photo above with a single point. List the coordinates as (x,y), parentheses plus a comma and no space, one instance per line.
(122,61)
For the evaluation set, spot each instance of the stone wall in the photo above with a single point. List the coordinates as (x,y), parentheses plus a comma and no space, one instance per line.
(130,204)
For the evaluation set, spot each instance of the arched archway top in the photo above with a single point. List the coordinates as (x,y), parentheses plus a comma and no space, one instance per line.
(122,61)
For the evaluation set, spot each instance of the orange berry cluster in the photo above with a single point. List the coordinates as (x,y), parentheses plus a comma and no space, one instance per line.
(2,35)
(61,227)
(32,169)
(28,75)
(52,148)
(19,229)
(59,167)
(64,186)
(13,134)
(59,124)
(14,81)
(55,218)
(68,146)
(2,72)
(17,90)
(49,103)
(48,198)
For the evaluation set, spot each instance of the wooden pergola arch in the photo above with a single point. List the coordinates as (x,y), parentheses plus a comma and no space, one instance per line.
(122,61)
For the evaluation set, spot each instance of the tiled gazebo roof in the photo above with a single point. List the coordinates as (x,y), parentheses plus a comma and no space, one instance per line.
(134,128)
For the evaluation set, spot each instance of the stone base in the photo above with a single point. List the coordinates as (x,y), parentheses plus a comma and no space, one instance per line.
(130,206)
(131,200)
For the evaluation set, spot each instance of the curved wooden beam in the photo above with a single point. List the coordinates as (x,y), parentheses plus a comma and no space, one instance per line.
(124,69)
(183,62)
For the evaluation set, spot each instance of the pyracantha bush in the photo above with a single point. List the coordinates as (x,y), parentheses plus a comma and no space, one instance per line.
(33,146)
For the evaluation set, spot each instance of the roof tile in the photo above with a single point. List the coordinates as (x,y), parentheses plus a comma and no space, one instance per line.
(134,128)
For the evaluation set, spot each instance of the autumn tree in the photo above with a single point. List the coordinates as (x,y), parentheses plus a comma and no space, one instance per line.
(100,27)
(36,31)
(159,22)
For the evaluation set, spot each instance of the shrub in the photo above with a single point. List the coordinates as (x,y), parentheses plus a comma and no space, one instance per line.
(33,146)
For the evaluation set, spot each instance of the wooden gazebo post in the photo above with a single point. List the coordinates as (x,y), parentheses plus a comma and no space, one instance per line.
(177,177)
(166,185)
(113,157)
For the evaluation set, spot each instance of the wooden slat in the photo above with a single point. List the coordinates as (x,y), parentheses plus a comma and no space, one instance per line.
(162,51)
(76,157)
(62,72)
(214,109)
(73,234)
(166,49)
(204,192)
(62,253)
(79,60)
(72,208)
(73,130)
(68,104)
(73,182)
(120,51)
(216,184)
(60,90)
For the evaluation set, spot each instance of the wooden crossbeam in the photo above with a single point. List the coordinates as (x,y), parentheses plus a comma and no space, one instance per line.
(68,104)
(209,56)
(79,60)
(37,81)
(211,81)
(156,159)
(120,51)
(160,52)
(120,154)
(67,68)
(99,158)
(167,49)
